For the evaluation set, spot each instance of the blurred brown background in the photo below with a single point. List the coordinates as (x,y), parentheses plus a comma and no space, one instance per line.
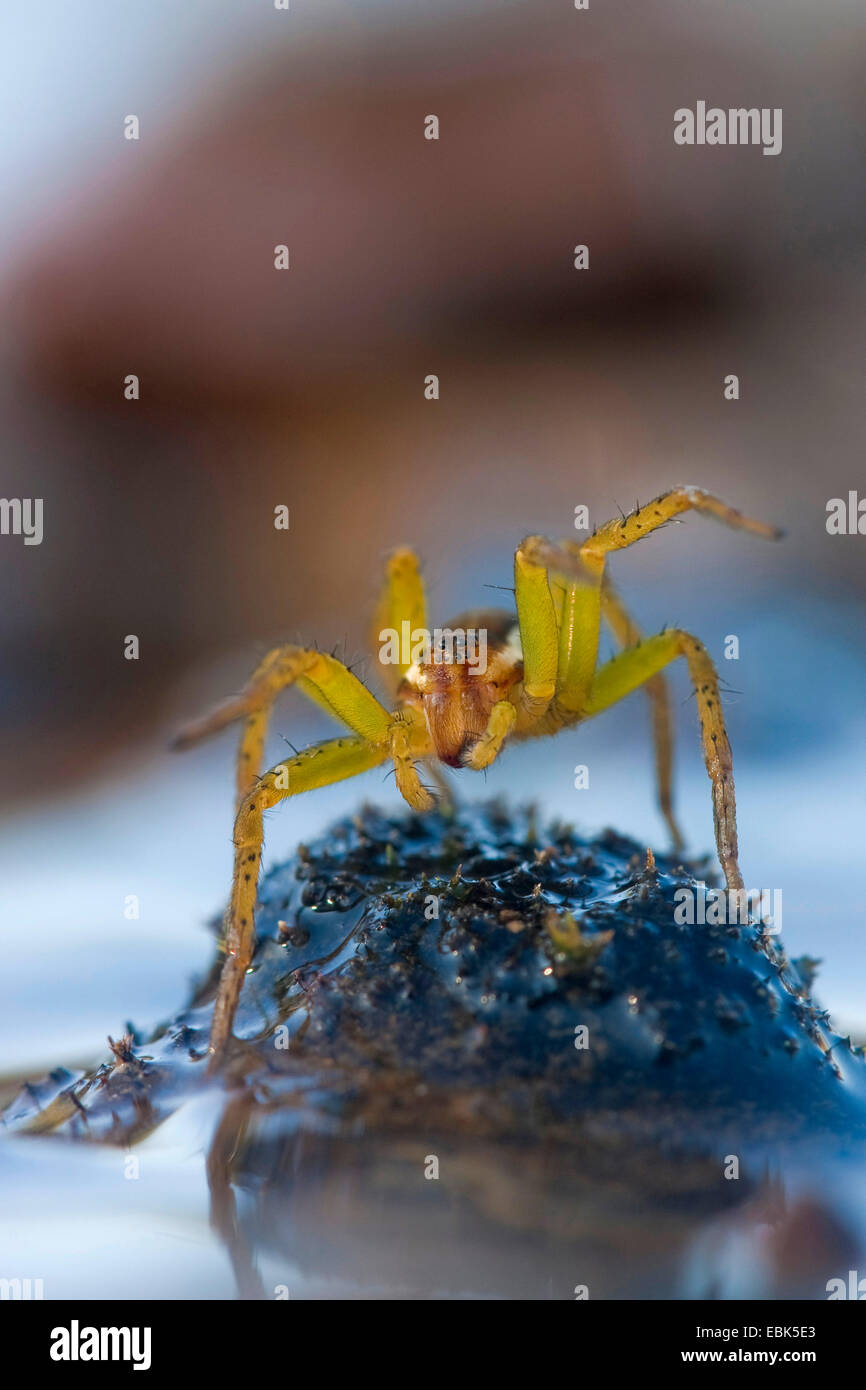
(408,257)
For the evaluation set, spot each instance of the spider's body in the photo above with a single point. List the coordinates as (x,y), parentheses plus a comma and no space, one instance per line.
(461,696)
(455,697)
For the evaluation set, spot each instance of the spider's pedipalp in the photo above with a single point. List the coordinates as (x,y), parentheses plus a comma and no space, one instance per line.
(404,756)
(503,718)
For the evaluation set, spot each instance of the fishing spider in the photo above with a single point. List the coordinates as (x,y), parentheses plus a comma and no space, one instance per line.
(540,676)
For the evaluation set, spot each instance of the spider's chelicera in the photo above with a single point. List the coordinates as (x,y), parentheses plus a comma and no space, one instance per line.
(539,674)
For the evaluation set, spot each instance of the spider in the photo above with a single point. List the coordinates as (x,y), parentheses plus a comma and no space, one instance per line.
(540,675)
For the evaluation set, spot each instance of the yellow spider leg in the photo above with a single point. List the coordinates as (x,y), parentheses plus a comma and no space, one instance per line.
(628,634)
(578,646)
(317,766)
(322,678)
(537,611)
(637,665)
(536,616)
(570,652)
(503,717)
(402,601)
(615,535)
(581,568)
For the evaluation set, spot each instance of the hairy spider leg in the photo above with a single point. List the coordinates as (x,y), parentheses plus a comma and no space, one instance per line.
(615,535)
(323,679)
(559,618)
(402,600)
(582,606)
(633,668)
(379,735)
(404,741)
(580,569)
(536,618)
(628,634)
(539,638)
(585,596)
(581,596)
(317,766)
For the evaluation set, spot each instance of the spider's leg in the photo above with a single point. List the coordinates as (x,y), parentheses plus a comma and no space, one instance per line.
(317,766)
(539,637)
(402,600)
(536,617)
(559,660)
(579,570)
(615,535)
(628,634)
(323,679)
(633,668)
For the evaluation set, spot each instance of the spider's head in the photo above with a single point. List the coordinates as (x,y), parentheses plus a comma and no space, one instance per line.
(456,690)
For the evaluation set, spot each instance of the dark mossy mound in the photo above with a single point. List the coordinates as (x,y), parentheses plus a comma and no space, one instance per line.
(417,968)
